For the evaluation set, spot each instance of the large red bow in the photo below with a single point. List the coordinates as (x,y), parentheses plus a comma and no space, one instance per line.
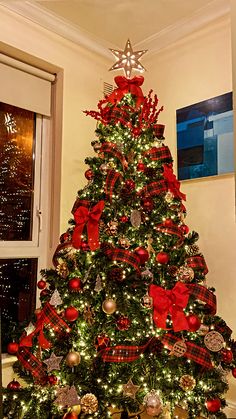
(170,301)
(127,86)
(90,217)
(173,183)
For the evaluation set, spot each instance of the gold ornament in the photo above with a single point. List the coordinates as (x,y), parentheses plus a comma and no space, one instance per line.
(112,227)
(76,409)
(73,359)
(147,301)
(53,363)
(179,348)
(63,270)
(130,389)
(149,245)
(124,242)
(185,274)
(89,403)
(109,306)
(128,59)
(214,341)
(187,382)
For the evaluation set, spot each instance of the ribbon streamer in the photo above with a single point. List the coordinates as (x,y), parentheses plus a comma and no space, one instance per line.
(159,153)
(112,149)
(197,262)
(90,218)
(30,362)
(127,86)
(202,293)
(123,353)
(154,188)
(173,183)
(123,256)
(111,179)
(170,302)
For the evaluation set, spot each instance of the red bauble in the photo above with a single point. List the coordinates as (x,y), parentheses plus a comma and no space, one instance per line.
(124,219)
(41,284)
(71,314)
(89,174)
(123,323)
(184,229)
(141,167)
(147,204)
(213,405)
(44,293)
(14,385)
(234,372)
(75,284)
(163,258)
(12,348)
(227,355)
(84,246)
(70,415)
(142,254)
(194,322)
(168,222)
(129,185)
(52,379)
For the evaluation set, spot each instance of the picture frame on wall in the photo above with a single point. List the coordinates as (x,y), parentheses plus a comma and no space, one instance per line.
(205,145)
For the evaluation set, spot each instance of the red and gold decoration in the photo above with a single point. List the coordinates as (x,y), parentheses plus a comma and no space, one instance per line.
(123,323)
(130,389)
(187,382)
(109,306)
(89,403)
(102,342)
(62,269)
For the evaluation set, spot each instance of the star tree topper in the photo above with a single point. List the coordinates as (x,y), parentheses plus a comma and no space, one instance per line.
(128,59)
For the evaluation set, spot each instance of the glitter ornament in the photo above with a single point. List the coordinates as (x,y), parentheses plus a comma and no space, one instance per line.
(227,356)
(89,174)
(130,389)
(14,385)
(185,274)
(109,306)
(179,348)
(153,403)
(41,284)
(123,323)
(147,301)
(55,299)
(73,359)
(187,382)
(63,270)
(89,403)
(71,314)
(142,254)
(135,218)
(12,348)
(162,258)
(53,362)
(214,341)
(75,284)
(124,243)
(169,197)
(213,405)
(147,204)
(193,322)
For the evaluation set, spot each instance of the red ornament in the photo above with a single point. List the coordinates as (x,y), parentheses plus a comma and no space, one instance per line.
(124,219)
(12,348)
(41,284)
(193,322)
(147,204)
(75,284)
(141,167)
(184,229)
(14,385)
(44,293)
(129,185)
(89,174)
(163,258)
(227,356)
(52,379)
(84,246)
(102,342)
(123,323)
(168,222)
(71,314)
(213,405)
(234,372)
(70,415)
(142,254)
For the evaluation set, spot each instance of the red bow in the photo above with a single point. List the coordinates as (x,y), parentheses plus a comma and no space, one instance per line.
(174,184)
(170,301)
(127,86)
(90,217)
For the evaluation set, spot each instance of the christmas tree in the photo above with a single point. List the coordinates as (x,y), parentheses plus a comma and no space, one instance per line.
(127,323)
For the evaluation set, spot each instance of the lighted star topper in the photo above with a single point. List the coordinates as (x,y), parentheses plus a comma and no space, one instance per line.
(128,59)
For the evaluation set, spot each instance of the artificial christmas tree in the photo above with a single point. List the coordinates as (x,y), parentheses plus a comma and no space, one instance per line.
(127,323)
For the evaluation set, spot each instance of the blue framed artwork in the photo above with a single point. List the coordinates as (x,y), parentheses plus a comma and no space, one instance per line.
(205,145)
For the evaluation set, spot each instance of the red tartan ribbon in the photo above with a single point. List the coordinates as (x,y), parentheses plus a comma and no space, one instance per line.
(123,353)
(127,86)
(112,149)
(48,316)
(159,153)
(194,352)
(78,203)
(125,256)
(198,262)
(111,179)
(171,230)
(90,218)
(60,247)
(202,293)
(30,362)
(154,188)
(172,302)
(173,183)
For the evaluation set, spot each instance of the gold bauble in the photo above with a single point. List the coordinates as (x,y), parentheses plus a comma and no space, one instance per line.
(109,306)
(73,359)
(76,409)
(187,382)
(89,403)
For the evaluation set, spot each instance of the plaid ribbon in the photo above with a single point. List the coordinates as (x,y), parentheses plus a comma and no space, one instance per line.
(202,293)
(154,188)
(60,248)
(112,177)
(159,153)
(30,362)
(78,203)
(123,256)
(122,353)
(112,149)
(171,230)
(225,330)
(197,262)
(194,352)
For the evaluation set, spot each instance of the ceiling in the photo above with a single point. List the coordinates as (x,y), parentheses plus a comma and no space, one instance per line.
(103,24)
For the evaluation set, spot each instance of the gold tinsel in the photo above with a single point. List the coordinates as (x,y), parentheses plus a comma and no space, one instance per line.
(89,403)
